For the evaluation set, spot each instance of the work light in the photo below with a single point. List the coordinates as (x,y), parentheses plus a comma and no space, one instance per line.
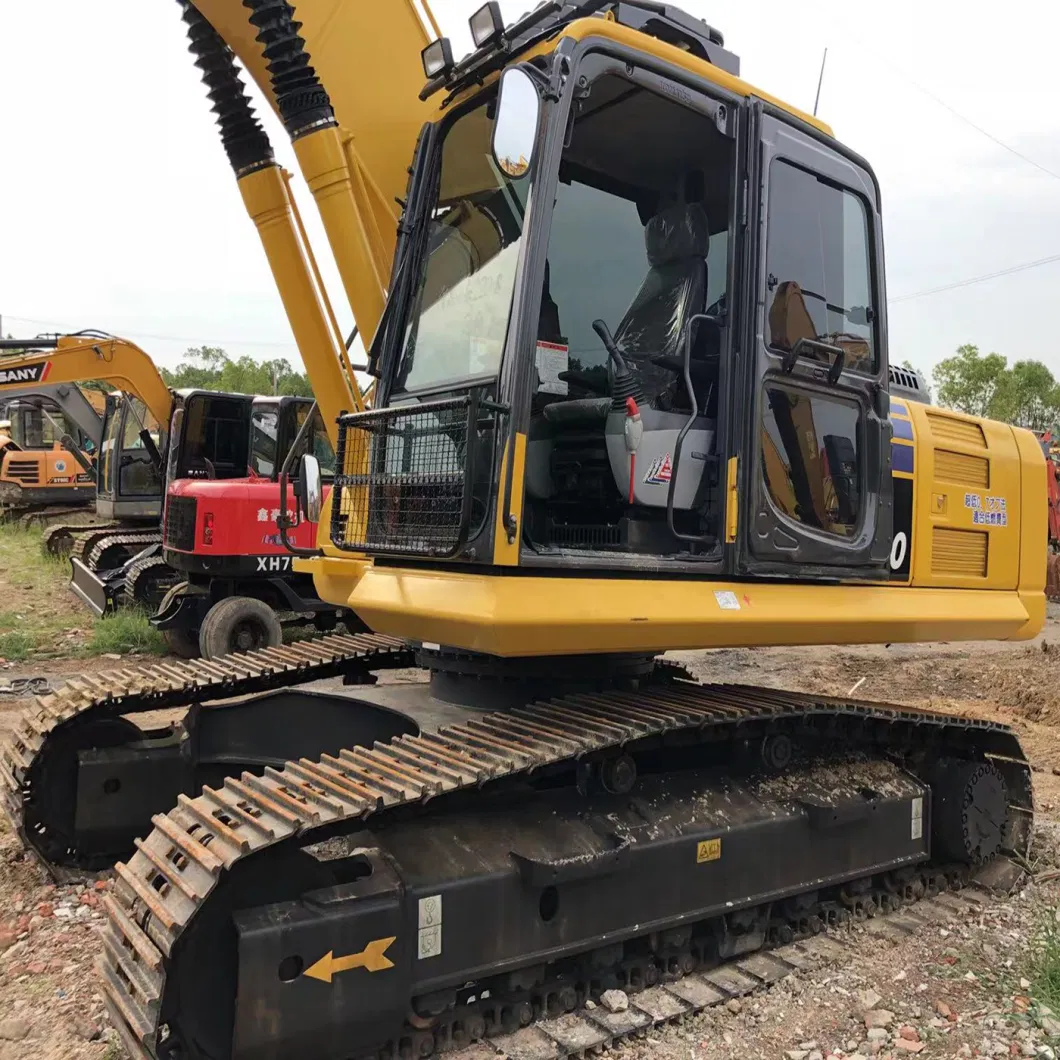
(487,24)
(437,58)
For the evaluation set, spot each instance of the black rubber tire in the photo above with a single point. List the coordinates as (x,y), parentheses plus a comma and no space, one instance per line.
(239,624)
(181,643)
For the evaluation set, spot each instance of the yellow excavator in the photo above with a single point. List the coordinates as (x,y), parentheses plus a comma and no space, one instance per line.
(49,436)
(615,269)
(128,486)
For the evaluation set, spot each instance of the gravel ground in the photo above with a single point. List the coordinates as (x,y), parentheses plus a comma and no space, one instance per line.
(953,991)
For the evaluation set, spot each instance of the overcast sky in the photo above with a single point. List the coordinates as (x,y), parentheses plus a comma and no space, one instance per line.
(118,209)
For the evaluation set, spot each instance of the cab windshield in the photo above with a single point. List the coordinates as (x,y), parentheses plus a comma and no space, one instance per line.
(463,295)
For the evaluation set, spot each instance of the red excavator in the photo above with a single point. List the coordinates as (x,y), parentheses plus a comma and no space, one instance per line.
(238,587)
(1051,449)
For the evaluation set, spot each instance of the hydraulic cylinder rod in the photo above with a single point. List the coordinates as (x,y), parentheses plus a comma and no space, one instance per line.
(307,114)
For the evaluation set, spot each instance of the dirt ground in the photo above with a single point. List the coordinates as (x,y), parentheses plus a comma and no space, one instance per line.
(51,1007)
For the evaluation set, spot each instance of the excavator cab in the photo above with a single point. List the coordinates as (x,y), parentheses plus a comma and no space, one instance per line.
(636,320)
(130,461)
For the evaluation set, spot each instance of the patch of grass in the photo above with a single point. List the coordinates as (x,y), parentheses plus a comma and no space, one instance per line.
(1043,969)
(125,632)
(16,644)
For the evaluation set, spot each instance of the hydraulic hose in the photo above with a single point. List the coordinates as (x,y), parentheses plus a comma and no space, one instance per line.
(268,202)
(245,141)
(309,119)
(301,99)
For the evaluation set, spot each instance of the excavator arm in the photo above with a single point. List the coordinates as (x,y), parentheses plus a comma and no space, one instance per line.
(71,402)
(77,359)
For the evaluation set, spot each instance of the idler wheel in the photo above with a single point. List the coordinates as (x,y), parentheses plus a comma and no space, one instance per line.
(970,812)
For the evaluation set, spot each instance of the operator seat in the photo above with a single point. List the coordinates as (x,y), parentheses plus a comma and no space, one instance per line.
(677,240)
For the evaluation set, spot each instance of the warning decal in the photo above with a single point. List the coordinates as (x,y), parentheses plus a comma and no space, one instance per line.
(708,850)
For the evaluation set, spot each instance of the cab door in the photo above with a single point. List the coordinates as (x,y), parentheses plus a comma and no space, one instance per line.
(815,494)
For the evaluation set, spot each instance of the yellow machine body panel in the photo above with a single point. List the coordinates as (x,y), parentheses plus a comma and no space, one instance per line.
(36,469)
(541,615)
(977,572)
(975,485)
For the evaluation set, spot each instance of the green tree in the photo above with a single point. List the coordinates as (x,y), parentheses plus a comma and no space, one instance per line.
(1025,394)
(969,380)
(1028,396)
(210,368)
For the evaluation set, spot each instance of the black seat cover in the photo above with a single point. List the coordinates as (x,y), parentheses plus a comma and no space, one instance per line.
(677,240)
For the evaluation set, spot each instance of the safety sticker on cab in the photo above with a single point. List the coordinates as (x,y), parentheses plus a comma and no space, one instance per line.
(987,511)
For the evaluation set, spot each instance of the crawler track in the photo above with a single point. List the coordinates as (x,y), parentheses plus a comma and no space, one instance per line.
(93,550)
(147,581)
(86,700)
(59,538)
(678,995)
(164,887)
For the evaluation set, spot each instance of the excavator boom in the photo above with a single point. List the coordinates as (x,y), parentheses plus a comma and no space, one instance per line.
(368,57)
(76,359)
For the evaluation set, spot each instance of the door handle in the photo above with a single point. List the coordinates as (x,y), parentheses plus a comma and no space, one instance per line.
(800,348)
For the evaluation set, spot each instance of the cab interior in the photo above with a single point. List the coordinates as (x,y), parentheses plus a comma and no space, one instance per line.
(640,242)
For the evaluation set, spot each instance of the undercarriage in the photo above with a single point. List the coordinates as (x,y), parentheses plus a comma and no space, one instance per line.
(632,834)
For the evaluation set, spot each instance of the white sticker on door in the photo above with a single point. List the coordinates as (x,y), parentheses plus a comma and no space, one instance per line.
(916,830)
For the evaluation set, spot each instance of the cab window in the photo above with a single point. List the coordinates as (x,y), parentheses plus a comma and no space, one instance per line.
(264,422)
(318,443)
(819,273)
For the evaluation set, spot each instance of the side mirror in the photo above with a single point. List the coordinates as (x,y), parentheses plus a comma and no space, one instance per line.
(308,490)
(515,130)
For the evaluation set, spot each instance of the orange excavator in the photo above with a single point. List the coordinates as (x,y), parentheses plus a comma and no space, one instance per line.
(49,437)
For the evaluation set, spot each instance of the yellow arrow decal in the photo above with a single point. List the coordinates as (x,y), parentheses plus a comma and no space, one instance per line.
(373,958)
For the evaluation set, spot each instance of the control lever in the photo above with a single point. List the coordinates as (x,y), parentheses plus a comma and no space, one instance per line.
(625,386)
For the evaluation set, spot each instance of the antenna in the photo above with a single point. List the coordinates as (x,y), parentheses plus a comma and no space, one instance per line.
(820,80)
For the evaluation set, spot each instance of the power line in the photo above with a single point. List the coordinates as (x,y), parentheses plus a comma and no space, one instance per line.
(975,279)
(947,106)
(198,340)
